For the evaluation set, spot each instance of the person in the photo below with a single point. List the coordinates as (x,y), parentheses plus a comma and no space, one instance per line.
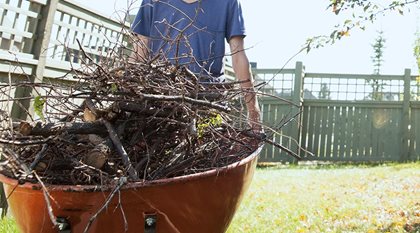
(192,33)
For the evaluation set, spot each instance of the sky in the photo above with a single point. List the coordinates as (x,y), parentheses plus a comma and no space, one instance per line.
(277,30)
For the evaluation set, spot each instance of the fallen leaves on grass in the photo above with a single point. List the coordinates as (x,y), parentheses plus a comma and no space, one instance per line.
(357,199)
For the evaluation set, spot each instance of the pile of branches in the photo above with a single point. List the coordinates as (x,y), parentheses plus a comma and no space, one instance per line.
(141,121)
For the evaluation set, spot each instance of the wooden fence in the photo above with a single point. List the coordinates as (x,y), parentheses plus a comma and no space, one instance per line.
(43,40)
(344,117)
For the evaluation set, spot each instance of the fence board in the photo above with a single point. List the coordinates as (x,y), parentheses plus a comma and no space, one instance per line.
(343,131)
(393,134)
(311,130)
(375,134)
(364,150)
(352,132)
(415,132)
(369,131)
(336,137)
(276,114)
(278,138)
(271,119)
(349,132)
(18,10)
(264,156)
(305,120)
(323,131)
(317,122)
(41,2)
(330,132)
(72,9)
(356,137)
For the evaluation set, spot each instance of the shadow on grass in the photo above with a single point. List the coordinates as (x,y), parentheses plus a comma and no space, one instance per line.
(336,165)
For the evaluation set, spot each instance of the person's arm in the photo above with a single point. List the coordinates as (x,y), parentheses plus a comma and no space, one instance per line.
(242,70)
(140,49)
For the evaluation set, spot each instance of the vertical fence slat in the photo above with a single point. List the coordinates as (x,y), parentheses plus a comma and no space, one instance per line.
(32,25)
(389,136)
(263,154)
(363,134)
(311,131)
(348,132)
(356,138)
(279,138)
(369,131)
(375,134)
(330,131)
(337,129)
(406,115)
(40,46)
(316,133)
(271,119)
(415,156)
(365,124)
(414,133)
(343,132)
(323,131)
(304,135)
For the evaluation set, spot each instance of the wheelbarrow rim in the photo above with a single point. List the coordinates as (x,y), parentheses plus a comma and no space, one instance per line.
(138,184)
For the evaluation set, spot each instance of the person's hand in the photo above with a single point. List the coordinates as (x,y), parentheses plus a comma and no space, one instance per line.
(256,131)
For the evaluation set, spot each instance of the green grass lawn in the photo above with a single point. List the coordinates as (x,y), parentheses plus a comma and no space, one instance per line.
(7,226)
(368,199)
(340,199)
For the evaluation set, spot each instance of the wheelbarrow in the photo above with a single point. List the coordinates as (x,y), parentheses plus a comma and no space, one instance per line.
(199,203)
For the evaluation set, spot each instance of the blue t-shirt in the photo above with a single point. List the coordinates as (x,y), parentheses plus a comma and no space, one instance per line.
(190,34)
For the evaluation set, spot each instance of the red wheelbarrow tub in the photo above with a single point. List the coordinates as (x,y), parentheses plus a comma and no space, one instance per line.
(198,203)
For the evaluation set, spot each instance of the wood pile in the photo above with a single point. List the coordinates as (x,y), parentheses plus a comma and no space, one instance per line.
(144,122)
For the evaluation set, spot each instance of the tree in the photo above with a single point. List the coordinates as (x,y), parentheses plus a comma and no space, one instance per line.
(378,52)
(377,59)
(324,93)
(417,56)
(362,13)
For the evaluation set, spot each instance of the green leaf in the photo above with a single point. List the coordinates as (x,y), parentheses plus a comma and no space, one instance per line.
(39,106)
(114,87)
(366,7)
(333,34)
(203,124)
(216,121)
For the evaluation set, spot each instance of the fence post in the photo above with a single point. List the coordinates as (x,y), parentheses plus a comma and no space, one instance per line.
(40,45)
(406,117)
(297,99)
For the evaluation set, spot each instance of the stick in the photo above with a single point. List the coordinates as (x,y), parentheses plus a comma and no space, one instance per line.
(296,156)
(122,212)
(183,98)
(120,148)
(113,135)
(70,128)
(263,138)
(47,200)
(38,157)
(117,188)
(22,165)
(24,143)
(73,114)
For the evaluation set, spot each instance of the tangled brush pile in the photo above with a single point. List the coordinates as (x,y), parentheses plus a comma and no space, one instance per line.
(143,121)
